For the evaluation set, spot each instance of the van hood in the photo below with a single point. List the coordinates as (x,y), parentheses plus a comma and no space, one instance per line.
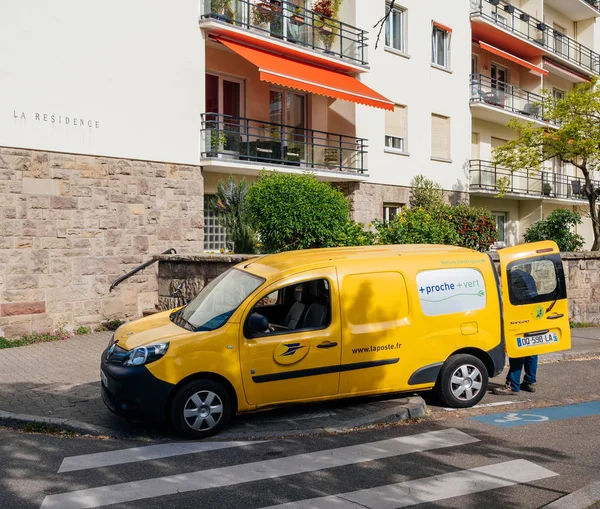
(152,329)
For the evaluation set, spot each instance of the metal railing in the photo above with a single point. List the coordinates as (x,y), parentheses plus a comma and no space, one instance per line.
(286,21)
(593,3)
(246,139)
(139,268)
(496,93)
(485,176)
(520,23)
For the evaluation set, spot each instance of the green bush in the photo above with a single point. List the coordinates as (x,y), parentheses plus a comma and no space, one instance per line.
(416,226)
(291,211)
(82,330)
(31,339)
(558,226)
(354,234)
(230,206)
(109,325)
(426,194)
(476,228)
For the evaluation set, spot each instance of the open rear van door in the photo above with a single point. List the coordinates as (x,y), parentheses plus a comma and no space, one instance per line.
(534,297)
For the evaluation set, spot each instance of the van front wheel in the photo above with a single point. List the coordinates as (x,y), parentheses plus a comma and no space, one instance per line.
(201,409)
(462,381)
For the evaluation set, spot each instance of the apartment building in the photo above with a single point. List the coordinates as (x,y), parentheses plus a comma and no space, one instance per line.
(519,49)
(117,121)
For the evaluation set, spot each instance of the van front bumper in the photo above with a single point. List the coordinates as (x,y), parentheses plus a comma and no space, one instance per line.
(132,391)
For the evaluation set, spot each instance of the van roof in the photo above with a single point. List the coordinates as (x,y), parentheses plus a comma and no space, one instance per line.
(283,262)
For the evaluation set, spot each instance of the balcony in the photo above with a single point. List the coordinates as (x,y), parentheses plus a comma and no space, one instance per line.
(575,10)
(299,29)
(493,19)
(486,179)
(257,143)
(495,101)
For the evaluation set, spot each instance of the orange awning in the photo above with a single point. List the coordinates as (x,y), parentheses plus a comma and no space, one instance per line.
(512,58)
(309,78)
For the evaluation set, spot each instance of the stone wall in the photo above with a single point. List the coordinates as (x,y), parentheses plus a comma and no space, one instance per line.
(70,225)
(582,271)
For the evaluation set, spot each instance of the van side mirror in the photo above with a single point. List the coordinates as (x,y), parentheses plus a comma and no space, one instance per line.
(257,325)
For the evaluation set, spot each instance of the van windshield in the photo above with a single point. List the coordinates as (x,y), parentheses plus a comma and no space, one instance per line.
(213,306)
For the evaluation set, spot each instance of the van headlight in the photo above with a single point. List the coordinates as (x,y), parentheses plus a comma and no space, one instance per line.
(146,354)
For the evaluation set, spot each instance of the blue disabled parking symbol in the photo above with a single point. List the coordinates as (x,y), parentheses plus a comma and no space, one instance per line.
(538,415)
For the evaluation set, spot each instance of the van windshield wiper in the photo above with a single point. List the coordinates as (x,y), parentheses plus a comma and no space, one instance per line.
(557,296)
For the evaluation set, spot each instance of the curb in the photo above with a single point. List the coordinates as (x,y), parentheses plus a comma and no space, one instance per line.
(414,407)
(579,499)
(568,356)
(12,420)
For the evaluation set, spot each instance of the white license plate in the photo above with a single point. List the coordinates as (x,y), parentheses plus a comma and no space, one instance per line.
(104,379)
(542,339)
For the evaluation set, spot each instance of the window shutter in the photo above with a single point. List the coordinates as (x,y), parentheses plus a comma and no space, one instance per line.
(395,122)
(440,136)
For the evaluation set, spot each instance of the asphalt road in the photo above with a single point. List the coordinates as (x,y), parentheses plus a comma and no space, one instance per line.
(430,463)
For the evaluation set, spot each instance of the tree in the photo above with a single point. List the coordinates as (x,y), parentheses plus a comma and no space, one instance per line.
(558,226)
(426,193)
(416,226)
(574,139)
(382,21)
(230,206)
(291,211)
(476,227)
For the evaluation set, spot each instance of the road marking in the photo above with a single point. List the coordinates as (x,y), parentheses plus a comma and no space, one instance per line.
(151,452)
(257,471)
(537,415)
(484,405)
(429,489)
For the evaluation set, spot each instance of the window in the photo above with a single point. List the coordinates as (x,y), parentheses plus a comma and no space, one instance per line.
(501,220)
(560,41)
(440,46)
(558,94)
(440,137)
(536,280)
(301,306)
(214,234)
(395,129)
(390,211)
(395,29)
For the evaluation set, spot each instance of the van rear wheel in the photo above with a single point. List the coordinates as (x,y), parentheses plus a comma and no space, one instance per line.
(462,381)
(201,408)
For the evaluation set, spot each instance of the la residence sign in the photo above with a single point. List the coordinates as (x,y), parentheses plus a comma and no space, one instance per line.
(51,118)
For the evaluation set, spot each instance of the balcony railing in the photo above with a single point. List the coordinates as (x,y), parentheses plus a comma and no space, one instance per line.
(245,139)
(286,21)
(520,23)
(593,3)
(485,176)
(501,95)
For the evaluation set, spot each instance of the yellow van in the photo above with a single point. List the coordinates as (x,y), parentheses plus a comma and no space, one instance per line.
(321,324)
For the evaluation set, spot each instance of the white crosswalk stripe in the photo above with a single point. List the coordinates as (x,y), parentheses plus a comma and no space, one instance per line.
(257,471)
(430,489)
(135,454)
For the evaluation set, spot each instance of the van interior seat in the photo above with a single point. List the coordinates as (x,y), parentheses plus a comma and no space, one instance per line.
(296,312)
(318,312)
(524,284)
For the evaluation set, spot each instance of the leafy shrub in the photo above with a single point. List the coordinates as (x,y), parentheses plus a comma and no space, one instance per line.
(109,325)
(33,338)
(291,211)
(354,234)
(82,330)
(426,194)
(416,226)
(476,228)
(230,206)
(558,226)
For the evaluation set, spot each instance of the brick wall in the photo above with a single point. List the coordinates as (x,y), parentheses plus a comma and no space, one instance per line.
(582,271)
(70,225)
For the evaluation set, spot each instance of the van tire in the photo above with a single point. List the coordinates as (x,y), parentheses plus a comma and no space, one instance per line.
(466,368)
(200,409)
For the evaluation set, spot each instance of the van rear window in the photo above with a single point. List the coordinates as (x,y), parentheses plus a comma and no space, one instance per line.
(536,280)
(447,291)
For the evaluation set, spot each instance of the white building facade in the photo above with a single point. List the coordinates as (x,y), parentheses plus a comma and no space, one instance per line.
(118,120)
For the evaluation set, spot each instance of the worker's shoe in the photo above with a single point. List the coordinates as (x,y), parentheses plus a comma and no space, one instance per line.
(528,387)
(507,390)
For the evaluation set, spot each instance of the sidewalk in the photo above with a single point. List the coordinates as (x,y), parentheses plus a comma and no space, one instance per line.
(61,380)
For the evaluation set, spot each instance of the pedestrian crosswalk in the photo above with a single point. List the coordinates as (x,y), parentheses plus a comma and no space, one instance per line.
(388,496)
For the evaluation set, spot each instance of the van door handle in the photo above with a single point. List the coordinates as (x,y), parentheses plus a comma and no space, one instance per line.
(536,333)
(555,317)
(327,344)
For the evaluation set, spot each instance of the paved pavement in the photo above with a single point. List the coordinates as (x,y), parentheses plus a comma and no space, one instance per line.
(60,380)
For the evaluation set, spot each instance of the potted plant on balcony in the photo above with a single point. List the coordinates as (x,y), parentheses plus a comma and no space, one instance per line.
(263,14)
(546,189)
(294,153)
(218,139)
(297,17)
(222,9)
(327,26)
